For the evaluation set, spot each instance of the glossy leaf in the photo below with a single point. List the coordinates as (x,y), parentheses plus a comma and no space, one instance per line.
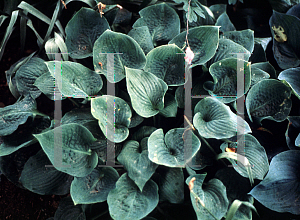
(280,189)
(76,80)
(291,76)
(134,157)
(114,124)
(27,74)
(214,119)
(146,92)
(82,31)
(225,75)
(203,42)
(244,38)
(77,159)
(127,202)
(40,177)
(269,99)
(174,149)
(211,202)
(94,187)
(12,116)
(167,63)
(162,20)
(254,152)
(125,50)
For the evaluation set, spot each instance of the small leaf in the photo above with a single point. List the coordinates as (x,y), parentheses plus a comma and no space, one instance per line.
(269,99)
(225,23)
(135,160)
(174,149)
(82,31)
(291,76)
(94,187)
(77,159)
(146,92)
(114,124)
(244,38)
(214,119)
(170,106)
(209,200)
(126,53)
(280,189)
(127,202)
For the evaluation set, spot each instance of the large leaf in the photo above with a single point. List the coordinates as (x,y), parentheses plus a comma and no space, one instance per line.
(244,38)
(77,159)
(211,202)
(225,75)
(254,152)
(286,44)
(94,187)
(146,92)
(291,76)
(162,20)
(76,79)
(142,36)
(127,202)
(269,99)
(126,51)
(229,49)
(214,119)
(17,114)
(203,42)
(135,160)
(280,189)
(174,149)
(167,63)
(114,124)
(27,74)
(82,31)
(43,180)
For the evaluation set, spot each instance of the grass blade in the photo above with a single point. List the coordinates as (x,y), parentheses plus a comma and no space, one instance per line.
(8,32)
(62,46)
(23,22)
(2,19)
(40,40)
(91,3)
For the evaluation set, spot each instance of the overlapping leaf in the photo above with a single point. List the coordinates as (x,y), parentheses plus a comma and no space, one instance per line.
(291,76)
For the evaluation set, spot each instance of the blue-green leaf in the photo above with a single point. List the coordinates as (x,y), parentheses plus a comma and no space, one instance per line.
(244,38)
(127,202)
(142,36)
(291,76)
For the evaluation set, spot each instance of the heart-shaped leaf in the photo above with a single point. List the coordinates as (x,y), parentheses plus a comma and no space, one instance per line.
(162,20)
(127,202)
(229,49)
(174,149)
(171,185)
(209,200)
(214,119)
(146,92)
(254,152)
(244,38)
(70,153)
(113,115)
(40,177)
(203,42)
(143,37)
(225,23)
(280,189)
(17,114)
(136,162)
(291,76)
(270,99)
(286,47)
(226,76)
(125,50)
(167,63)
(27,74)
(82,31)
(76,79)
(94,187)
